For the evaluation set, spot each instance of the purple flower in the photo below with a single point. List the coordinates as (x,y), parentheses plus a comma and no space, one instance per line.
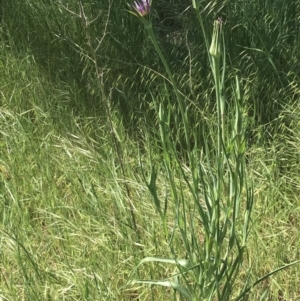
(141,8)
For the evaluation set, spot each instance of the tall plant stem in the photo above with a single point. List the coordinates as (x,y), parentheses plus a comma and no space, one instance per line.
(105,101)
(179,97)
(216,72)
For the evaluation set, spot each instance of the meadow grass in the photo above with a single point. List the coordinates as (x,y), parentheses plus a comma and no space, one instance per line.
(66,224)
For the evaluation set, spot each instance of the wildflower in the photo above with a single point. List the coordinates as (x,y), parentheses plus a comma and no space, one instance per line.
(141,8)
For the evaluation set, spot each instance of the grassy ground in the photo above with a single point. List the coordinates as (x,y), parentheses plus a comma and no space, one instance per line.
(66,231)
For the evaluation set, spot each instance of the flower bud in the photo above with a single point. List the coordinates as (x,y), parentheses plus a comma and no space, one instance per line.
(141,8)
(215,47)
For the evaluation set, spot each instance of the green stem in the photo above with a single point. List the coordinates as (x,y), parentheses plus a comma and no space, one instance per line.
(106,104)
(148,26)
(197,9)
(216,73)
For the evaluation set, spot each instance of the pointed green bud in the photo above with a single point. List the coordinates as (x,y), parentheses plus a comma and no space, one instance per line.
(215,47)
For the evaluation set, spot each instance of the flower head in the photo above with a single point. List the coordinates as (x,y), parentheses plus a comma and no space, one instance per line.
(141,8)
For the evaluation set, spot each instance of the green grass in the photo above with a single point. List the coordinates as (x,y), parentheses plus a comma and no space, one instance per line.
(66,230)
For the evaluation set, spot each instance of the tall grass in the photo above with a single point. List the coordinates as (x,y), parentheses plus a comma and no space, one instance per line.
(66,230)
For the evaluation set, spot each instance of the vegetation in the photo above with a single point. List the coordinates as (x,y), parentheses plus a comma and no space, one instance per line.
(130,157)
